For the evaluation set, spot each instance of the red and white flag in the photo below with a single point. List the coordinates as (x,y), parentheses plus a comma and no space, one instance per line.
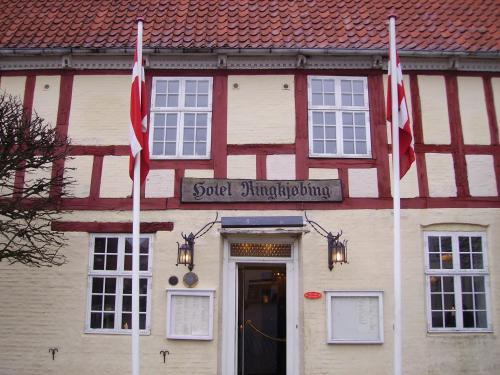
(406,153)
(139,132)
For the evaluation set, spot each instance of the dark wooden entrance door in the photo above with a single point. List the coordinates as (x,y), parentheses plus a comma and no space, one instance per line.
(262,319)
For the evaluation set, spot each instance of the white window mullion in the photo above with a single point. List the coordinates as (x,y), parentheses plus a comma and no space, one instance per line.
(458,302)
(180,134)
(339,129)
(118,303)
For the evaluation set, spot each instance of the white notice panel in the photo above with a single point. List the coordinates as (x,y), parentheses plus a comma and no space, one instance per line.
(355,317)
(190,314)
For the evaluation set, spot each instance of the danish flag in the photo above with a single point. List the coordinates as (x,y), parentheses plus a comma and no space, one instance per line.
(406,152)
(139,132)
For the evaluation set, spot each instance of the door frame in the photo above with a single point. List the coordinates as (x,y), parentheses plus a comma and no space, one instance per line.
(230,300)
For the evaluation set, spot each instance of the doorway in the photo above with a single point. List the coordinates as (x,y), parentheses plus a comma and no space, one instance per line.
(262,319)
(260,305)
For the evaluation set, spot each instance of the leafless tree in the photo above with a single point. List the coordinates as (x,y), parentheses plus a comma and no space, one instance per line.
(32,184)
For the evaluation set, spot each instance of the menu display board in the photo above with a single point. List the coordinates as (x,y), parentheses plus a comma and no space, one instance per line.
(190,314)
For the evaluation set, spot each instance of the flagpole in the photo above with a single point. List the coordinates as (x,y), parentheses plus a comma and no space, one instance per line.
(396,198)
(136,229)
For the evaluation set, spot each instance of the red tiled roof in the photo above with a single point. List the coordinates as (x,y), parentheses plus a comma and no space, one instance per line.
(423,25)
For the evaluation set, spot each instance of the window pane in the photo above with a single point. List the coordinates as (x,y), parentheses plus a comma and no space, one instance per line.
(449,301)
(142,303)
(317,118)
(98,262)
(188,134)
(142,321)
(100,245)
(480,301)
(330,99)
(359,118)
(159,134)
(479,284)
(330,132)
(173,87)
(467,303)
(127,260)
(435,282)
(348,147)
(448,285)
(360,133)
(95,320)
(143,286)
(477,261)
(143,263)
(318,147)
(173,100)
(447,261)
(466,284)
(446,244)
(189,119)
(96,302)
(97,284)
(433,244)
(468,317)
(112,245)
(126,321)
(171,134)
(144,246)
(201,149)
(110,285)
(191,87)
(157,148)
(345,86)
(109,303)
(436,302)
(317,99)
(360,147)
(346,99)
(161,87)
(127,286)
(318,132)
(188,148)
(109,321)
(330,118)
(170,149)
(201,134)
(464,261)
(331,147)
(160,100)
(171,119)
(203,87)
(127,303)
(476,244)
(190,100)
(111,262)
(347,118)
(202,100)
(434,262)
(463,244)
(357,87)
(159,120)
(359,100)
(449,319)
(201,119)
(329,85)
(437,319)
(481,321)
(348,132)
(316,85)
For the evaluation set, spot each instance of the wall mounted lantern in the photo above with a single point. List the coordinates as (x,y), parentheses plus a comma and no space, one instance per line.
(185,252)
(337,249)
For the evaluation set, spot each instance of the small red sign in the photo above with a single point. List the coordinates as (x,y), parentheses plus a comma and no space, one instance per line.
(312,295)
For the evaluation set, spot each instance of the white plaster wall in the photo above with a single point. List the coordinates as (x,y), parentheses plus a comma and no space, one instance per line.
(82,175)
(495,84)
(241,166)
(14,86)
(46,100)
(481,175)
(115,179)
(199,173)
(323,173)
(408,185)
(43,308)
(160,183)
(406,83)
(473,113)
(260,110)
(434,105)
(100,110)
(363,182)
(441,175)
(280,167)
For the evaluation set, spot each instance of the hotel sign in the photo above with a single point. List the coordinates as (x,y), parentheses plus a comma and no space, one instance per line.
(209,190)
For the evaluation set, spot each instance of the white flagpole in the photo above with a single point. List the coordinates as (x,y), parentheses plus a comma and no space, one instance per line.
(136,364)
(396,198)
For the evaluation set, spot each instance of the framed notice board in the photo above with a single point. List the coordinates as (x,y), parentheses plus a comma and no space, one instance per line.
(355,317)
(190,314)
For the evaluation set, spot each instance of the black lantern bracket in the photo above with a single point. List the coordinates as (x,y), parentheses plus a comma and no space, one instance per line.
(337,249)
(185,252)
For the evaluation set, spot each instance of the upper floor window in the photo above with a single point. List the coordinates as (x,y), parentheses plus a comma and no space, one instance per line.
(339,122)
(457,281)
(109,303)
(181,117)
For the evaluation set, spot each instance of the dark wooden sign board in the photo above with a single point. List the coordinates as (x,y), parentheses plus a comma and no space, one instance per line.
(210,190)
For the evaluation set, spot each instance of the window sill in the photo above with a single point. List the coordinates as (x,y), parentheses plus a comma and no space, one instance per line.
(173,158)
(466,332)
(146,332)
(315,156)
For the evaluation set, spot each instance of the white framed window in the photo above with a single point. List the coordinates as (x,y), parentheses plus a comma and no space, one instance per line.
(109,301)
(181,118)
(190,314)
(457,281)
(355,317)
(338,116)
